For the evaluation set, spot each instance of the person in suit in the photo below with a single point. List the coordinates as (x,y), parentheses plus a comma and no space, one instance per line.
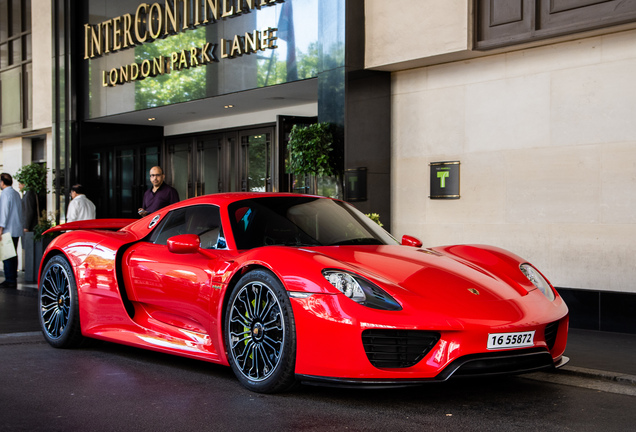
(29,209)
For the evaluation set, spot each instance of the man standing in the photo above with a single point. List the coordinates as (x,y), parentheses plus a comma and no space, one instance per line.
(160,195)
(29,209)
(80,208)
(10,222)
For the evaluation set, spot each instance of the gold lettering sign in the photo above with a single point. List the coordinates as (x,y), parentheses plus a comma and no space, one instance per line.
(185,59)
(156,20)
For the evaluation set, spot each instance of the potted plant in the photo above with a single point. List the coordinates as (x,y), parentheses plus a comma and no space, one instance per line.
(375,217)
(33,177)
(312,152)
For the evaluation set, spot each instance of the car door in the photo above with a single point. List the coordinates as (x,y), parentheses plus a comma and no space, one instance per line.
(176,289)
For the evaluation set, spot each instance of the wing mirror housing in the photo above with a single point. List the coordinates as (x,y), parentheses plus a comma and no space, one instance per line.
(184,244)
(408,240)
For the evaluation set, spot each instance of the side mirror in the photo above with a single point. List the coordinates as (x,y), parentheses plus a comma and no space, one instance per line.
(184,244)
(407,240)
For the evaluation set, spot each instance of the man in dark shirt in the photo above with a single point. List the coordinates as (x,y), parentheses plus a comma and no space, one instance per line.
(160,195)
(29,209)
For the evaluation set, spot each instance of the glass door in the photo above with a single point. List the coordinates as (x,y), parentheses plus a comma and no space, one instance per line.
(208,165)
(116,179)
(256,160)
(125,163)
(215,164)
(179,168)
(131,167)
(224,162)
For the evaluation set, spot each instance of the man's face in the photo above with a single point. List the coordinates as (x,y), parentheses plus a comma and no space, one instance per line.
(156,177)
(21,186)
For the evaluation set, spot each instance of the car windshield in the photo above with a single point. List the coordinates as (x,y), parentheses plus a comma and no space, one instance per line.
(302,221)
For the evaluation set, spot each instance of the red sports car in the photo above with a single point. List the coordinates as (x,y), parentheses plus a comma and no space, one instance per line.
(291,288)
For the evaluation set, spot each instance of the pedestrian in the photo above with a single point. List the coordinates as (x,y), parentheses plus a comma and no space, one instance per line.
(29,209)
(80,208)
(160,195)
(10,222)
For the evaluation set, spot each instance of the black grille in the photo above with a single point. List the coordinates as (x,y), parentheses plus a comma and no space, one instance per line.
(397,348)
(551,334)
(499,363)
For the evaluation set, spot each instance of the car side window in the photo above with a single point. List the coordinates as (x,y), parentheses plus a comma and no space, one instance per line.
(203,220)
(173,224)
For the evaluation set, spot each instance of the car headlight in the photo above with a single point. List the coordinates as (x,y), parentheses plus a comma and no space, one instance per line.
(360,290)
(537,280)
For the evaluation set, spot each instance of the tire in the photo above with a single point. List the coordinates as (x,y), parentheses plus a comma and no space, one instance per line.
(58,304)
(260,334)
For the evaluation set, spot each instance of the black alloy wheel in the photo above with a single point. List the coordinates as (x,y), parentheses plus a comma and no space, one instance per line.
(260,335)
(58,304)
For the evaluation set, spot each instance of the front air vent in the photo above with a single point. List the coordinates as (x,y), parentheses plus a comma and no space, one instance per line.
(397,348)
(551,331)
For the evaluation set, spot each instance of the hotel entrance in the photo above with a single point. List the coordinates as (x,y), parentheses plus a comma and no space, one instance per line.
(221,162)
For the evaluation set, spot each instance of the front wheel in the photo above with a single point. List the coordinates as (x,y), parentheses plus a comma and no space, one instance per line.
(58,304)
(260,334)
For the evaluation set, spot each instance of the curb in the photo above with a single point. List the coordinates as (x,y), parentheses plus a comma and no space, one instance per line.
(598,374)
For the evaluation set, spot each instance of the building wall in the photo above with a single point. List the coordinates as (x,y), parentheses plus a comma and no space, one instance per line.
(547,144)
(402,34)
(42,64)
(16,150)
(545,134)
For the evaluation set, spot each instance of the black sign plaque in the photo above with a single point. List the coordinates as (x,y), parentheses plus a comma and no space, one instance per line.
(444,180)
(356,184)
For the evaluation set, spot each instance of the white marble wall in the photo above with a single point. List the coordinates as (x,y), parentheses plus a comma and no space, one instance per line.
(403,33)
(546,138)
(41,54)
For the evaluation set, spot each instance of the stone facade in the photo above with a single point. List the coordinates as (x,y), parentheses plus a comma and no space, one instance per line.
(545,133)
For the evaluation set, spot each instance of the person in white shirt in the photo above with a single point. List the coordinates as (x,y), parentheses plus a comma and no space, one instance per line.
(80,208)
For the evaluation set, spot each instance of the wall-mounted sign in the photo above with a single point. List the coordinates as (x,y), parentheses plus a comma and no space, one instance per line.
(444,180)
(158,21)
(356,184)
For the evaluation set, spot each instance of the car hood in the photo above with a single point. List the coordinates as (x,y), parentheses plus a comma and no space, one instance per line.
(432,274)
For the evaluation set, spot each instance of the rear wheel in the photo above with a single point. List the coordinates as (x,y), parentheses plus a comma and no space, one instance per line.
(260,335)
(58,304)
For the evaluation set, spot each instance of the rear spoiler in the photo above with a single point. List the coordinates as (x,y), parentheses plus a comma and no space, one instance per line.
(92,224)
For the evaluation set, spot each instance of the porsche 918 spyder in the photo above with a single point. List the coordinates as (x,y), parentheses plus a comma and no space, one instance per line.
(288,288)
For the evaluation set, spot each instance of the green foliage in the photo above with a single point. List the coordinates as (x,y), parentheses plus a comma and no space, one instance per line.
(311,150)
(44,222)
(375,218)
(33,177)
(178,86)
(193,83)
(272,70)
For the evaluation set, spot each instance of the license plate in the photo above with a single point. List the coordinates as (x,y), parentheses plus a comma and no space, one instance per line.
(510,340)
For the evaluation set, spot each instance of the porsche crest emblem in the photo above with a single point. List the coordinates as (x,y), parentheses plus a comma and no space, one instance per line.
(473,291)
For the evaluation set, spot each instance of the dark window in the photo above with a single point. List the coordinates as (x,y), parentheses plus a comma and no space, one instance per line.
(302,221)
(15,66)
(203,221)
(509,22)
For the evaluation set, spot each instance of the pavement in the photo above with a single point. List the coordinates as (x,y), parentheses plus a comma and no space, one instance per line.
(594,355)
